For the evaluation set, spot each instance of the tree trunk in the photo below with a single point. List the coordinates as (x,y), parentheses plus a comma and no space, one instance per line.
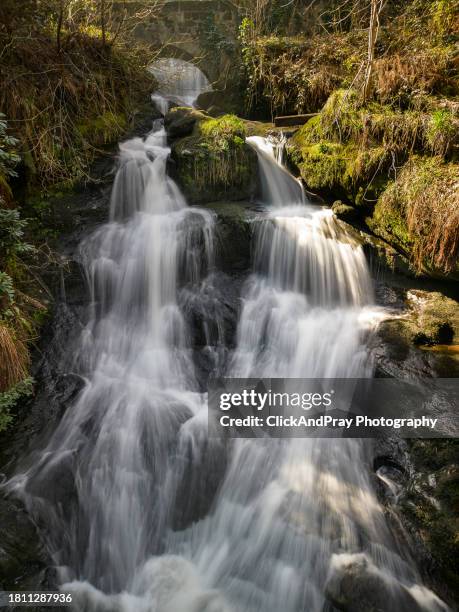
(102,22)
(60,21)
(376,6)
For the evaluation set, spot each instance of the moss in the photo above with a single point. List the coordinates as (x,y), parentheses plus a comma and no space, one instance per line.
(432,319)
(389,223)
(341,170)
(102,129)
(437,317)
(214,162)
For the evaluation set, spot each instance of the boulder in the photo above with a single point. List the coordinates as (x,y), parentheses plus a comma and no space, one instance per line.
(220,100)
(180,121)
(344,211)
(214,162)
(355,584)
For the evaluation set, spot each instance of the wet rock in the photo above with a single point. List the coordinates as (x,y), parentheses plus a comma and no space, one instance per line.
(234,235)
(356,585)
(180,121)
(428,510)
(214,162)
(22,557)
(218,101)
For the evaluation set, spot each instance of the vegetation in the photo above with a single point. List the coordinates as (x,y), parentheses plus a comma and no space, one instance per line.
(420,210)
(71,81)
(385,141)
(214,162)
(16,318)
(66,92)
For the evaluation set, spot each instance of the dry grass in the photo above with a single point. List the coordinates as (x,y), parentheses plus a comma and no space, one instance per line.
(426,195)
(47,96)
(14,357)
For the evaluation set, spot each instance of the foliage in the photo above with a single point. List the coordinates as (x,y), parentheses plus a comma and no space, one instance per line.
(8,158)
(67,87)
(353,151)
(12,234)
(442,132)
(425,199)
(6,289)
(8,399)
(296,73)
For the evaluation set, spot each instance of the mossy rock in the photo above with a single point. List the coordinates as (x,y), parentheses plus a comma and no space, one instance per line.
(344,211)
(180,121)
(432,319)
(103,129)
(430,507)
(436,317)
(336,169)
(234,235)
(214,162)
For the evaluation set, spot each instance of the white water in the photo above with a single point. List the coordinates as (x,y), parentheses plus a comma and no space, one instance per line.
(131,534)
(179,82)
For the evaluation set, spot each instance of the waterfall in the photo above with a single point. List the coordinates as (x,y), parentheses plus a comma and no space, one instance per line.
(121,466)
(142,511)
(178,81)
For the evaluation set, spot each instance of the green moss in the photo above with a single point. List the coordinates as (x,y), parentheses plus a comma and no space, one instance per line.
(343,170)
(102,129)
(214,162)
(389,223)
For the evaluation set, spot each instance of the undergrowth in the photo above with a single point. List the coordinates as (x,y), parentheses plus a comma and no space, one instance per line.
(425,197)
(63,106)
(416,55)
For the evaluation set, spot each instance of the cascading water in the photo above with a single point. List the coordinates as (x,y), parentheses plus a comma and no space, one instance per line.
(178,81)
(123,489)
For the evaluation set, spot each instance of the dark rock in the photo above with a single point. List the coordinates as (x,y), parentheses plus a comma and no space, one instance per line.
(180,121)
(345,211)
(234,235)
(356,585)
(22,556)
(218,100)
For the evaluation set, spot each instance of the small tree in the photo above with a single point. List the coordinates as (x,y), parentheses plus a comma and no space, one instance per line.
(376,7)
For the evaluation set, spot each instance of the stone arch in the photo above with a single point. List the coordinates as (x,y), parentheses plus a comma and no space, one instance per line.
(176,30)
(177,52)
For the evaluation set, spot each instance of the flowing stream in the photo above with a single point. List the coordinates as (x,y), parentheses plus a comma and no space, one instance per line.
(143,512)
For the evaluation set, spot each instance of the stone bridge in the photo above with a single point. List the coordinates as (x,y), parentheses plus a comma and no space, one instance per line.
(191,29)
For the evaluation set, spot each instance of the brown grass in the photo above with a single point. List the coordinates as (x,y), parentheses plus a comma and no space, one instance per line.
(47,96)
(426,195)
(14,357)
